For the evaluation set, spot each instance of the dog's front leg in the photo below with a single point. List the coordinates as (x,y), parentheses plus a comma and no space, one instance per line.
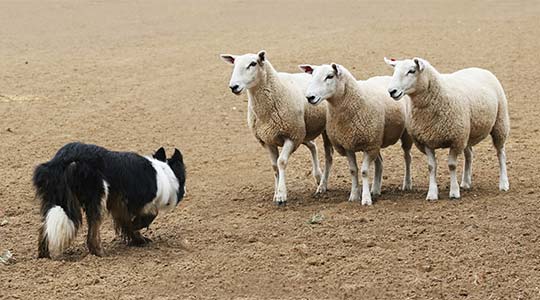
(142,221)
(137,239)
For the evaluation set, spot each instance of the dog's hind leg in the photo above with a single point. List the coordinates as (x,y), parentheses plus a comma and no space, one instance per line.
(43,244)
(95,204)
(93,239)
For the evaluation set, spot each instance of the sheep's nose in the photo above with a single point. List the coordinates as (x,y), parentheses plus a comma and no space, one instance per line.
(392,92)
(234,88)
(310,98)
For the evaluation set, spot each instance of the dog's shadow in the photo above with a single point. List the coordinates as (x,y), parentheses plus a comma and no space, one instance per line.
(116,247)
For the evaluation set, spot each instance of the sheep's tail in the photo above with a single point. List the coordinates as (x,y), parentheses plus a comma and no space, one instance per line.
(503,114)
(60,209)
(501,128)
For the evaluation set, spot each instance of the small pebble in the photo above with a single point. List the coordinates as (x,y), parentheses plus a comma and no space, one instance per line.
(427,268)
(371,244)
(314,261)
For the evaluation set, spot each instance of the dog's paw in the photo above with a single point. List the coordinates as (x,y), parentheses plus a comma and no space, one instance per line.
(139,241)
(97,252)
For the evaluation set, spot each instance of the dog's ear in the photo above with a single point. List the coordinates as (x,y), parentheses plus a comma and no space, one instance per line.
(177,156)
(160,155)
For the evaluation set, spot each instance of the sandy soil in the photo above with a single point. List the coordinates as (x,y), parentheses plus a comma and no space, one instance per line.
(137,75)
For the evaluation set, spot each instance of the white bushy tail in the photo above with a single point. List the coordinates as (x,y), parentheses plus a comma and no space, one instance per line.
(59,230)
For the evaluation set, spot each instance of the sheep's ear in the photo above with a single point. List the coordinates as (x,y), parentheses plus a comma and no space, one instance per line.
(420,64)
(261,56)
(337,69)
(160,155)
(391,62)
(228,58)
(306,68)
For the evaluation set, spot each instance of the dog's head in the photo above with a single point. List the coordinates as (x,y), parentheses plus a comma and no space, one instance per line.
(176,163)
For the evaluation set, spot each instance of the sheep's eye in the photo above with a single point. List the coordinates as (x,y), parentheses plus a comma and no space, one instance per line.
(411,71)
(252,64)
(329,77)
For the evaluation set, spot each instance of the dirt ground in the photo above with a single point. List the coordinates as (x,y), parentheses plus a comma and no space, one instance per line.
(137,75)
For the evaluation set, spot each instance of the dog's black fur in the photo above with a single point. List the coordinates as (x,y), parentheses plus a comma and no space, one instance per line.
(74,180)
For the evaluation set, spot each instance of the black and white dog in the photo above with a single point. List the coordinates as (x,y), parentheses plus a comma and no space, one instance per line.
(131,187)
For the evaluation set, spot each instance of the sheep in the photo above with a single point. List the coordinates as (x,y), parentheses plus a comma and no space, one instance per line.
(361,117)
(454,111)
(279,116)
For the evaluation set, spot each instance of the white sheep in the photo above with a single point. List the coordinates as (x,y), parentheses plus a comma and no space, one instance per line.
(279,115)
(454,111)
(361,117)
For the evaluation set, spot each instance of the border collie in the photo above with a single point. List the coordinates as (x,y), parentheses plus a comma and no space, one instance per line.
(131,187)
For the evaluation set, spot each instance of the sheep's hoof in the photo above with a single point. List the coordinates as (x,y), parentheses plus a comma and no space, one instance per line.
(321,190)
(281,204)
(431,197)
(375,194)
(354,197)
(465,185)
(318,177)
(407,187)
(280,200)
(503,187)
(366,200)
(454,194)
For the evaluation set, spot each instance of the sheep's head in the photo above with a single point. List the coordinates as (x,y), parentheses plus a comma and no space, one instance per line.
(406,76)
(247,72)
(325,83)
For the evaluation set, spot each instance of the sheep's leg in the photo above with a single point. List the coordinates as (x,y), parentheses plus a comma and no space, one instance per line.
(433,192)
(366,195)
(353,167)
(273,151)
(504,185)
(316,169)
(452,166)
(499,134)
(406,145)
(328,151)
(377,179)
(281,194)
(466,180)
